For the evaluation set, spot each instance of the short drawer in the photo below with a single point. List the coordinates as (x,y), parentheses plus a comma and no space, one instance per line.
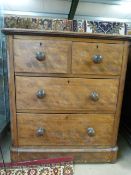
(65,129)
(70,94)
(41,56)
(97,58)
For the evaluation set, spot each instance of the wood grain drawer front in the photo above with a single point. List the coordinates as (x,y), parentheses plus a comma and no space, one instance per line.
(44,93)
(41,56)
(65,129)
(97,58)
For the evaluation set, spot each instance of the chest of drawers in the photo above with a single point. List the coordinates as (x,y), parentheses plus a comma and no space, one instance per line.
(65,94)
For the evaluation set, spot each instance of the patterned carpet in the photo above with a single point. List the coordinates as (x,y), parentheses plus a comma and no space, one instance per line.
(55,166)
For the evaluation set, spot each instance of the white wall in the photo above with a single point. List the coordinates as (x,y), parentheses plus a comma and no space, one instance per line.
(60,8)
(104,10)
(53,6)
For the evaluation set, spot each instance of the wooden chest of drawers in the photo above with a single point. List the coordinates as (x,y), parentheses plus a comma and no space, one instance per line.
(65,94)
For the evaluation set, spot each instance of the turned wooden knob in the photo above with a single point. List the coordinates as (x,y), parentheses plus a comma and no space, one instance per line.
(40,131)
(40,93)
(97,59)
(40,56)
(90,132)
(94,96)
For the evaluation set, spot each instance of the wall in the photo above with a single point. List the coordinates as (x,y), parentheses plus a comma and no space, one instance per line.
(60,8)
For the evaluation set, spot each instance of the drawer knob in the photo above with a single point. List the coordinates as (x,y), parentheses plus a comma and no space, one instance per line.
(97,59)
(90,132)
(40,93)
(40,131)
(94,96)
(40,56)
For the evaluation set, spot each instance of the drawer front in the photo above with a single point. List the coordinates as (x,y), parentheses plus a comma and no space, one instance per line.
(41,56)
(97,58)
(65,129)
(44,93)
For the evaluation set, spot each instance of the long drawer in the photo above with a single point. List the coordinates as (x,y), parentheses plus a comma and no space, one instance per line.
(46,93)
(41,56)
(65,129)
(96,58)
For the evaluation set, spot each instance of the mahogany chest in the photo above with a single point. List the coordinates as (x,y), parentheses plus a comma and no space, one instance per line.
(66,94)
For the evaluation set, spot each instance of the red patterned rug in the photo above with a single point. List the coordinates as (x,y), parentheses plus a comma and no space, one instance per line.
(55,166)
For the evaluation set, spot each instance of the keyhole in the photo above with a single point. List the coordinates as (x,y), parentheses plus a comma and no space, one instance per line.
(97,46)
(68,81)
(40,44)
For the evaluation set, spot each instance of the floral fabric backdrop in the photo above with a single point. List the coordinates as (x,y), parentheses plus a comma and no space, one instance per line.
(41,23)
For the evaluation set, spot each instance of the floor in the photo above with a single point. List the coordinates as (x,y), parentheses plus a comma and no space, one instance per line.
(121,167)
